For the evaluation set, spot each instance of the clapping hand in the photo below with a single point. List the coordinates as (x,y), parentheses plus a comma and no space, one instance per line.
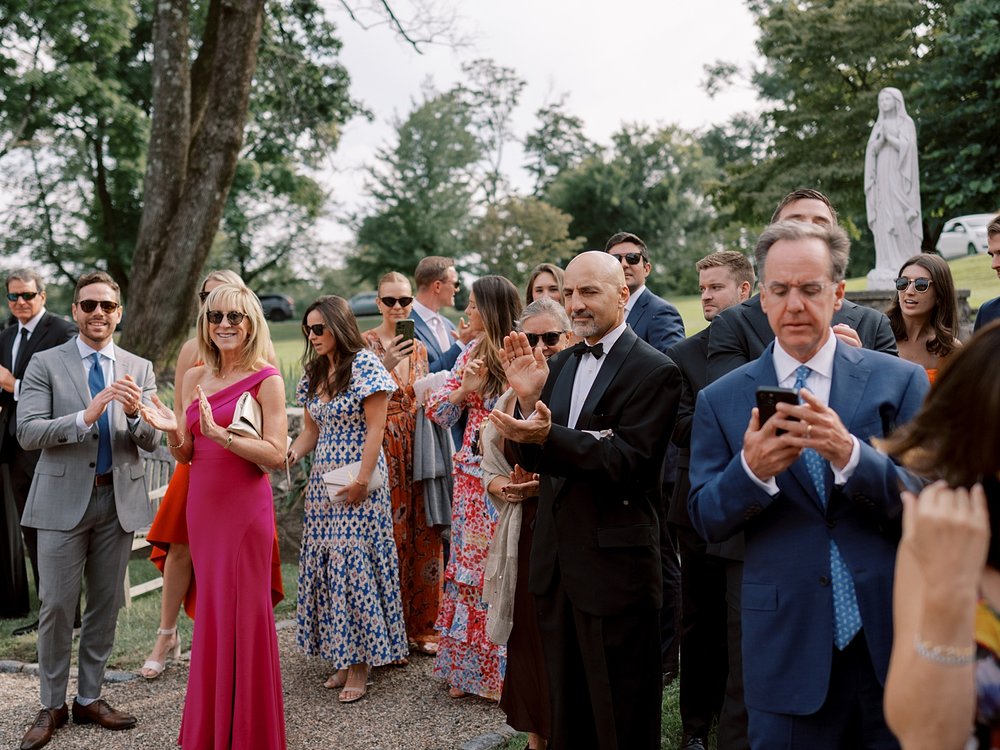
(209,427)
(525,368)
(465,334)
(523,484)
(129,394)
(474,375)
(535,429)
(158,416)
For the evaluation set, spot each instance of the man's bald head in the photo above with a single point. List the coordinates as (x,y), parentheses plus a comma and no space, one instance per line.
(595,292)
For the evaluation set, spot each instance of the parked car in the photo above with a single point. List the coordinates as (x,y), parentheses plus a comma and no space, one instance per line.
(277,307)
(964,235)
(363,303)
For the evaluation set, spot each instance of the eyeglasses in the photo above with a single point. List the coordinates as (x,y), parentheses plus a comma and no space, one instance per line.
(215,317)
(809,290)
(202,296)
(89,305)
(551,338)
(902,284)
(316,329)
(26,296)
(631,258)
(391,301)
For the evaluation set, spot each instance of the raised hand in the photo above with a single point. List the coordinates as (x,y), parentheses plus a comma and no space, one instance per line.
(97,405)
(128,393)
(474,375)
(396,352)
(158,416)
(525,368)
(535,429)
(523,484)
(209,427)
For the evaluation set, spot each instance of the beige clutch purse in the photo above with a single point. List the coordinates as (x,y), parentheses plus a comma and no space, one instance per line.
(248,421)
(339,478)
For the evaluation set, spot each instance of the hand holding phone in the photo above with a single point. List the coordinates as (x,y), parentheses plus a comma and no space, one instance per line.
(769,397)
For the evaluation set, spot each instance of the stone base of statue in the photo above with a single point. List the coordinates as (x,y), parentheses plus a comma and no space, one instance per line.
(882,279)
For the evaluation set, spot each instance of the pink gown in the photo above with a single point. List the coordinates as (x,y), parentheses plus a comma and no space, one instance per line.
(234,697)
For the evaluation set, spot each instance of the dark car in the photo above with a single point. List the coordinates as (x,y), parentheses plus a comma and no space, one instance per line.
(363,303)
(277,307)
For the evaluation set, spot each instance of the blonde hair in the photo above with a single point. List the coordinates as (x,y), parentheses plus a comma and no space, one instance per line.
(229,298)
(393,277)
(223,276)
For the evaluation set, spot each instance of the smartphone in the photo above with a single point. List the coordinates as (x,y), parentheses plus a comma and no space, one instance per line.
(768,398)
(404,328)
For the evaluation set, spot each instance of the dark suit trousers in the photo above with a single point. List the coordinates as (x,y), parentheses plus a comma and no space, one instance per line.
(733,719)
(19,466)
(670,567)
(604,675)
(703,634)
(850,719)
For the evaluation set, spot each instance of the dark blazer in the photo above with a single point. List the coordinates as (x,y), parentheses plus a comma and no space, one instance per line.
(50,331)
(597,510)
(988,312)
(656,322)
(787,609)
(741,333)
(436,359)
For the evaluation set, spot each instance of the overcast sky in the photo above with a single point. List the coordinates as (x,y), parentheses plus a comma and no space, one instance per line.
(623,61)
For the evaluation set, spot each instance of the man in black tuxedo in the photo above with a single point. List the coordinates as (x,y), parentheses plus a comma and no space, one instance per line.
(725,278)
(35,330)
(740,335)
(599,417)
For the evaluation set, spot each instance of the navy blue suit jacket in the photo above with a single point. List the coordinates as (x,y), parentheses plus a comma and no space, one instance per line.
(656,322)
(436,359)
(988,312)
(787,597)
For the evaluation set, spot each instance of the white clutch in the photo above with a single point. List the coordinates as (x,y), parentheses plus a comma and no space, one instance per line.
(339,478)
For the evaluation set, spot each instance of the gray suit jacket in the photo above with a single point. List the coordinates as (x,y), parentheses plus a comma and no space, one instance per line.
(53,390)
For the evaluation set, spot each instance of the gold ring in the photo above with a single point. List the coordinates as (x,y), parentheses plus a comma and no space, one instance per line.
(809,429)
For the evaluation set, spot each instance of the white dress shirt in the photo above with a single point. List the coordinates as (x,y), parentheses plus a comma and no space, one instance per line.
(633,297)
(107,367)
(586,374)
(30,325)
(436,323)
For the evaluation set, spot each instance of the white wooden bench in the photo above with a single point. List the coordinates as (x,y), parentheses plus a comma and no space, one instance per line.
(159,468)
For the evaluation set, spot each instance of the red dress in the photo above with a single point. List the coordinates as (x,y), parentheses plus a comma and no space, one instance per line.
(419,546)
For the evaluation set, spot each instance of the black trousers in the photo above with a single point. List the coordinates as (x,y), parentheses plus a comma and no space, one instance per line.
(704,651)
(670,566)
(733,719)
(16,472)
(604,675)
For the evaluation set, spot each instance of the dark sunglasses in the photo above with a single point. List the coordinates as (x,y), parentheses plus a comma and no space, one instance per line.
(26,296)
(921,285)
(631,258)
(203,296)
(551,338)
(316,329)
(391,301)
(215,317)
(89,305)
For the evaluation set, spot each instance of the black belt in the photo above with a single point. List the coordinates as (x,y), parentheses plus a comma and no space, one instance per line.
(103,480)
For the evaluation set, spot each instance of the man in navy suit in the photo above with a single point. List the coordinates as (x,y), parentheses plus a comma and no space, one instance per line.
(990,311)
(653,319)
(35,330)
(819,506)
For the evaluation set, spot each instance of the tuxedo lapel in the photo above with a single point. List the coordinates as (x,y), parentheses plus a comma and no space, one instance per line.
(562,390)
(615,358)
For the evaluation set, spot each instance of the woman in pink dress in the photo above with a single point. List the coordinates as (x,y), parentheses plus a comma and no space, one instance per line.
(234,697)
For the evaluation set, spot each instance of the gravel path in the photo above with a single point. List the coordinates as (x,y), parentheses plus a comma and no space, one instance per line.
(406,709)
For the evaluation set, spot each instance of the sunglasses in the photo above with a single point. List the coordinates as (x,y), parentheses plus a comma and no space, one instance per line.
(391,301)
(920,285)
(26,296)
(89,305)
(316,329)
(215,317)
(632,259)
(551,338)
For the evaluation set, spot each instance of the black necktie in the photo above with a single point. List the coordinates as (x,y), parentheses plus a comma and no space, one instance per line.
(582,348)
(22,352)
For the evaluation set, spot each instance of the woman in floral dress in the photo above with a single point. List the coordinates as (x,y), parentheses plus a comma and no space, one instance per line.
(418,545)
(349,608)
(467,658)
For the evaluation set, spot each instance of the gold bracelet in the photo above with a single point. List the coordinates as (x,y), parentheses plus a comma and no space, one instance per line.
(169,445)
(360,483)
(940,654)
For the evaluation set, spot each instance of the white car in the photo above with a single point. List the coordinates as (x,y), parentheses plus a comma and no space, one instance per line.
(964,235)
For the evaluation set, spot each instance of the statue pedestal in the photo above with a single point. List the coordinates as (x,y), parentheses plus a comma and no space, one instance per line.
(880,299)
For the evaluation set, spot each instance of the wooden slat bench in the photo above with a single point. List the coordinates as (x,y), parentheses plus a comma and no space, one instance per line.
(159,468)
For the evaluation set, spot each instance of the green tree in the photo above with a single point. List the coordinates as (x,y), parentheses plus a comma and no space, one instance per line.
(421,190)
(653,183)
(556,145)
(513,237)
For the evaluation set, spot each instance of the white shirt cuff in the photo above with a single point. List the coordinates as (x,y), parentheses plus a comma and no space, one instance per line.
(17,390)
(841,476)
(770,486)
(82,428)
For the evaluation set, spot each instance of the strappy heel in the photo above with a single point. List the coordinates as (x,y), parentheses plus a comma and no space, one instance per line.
(173,652)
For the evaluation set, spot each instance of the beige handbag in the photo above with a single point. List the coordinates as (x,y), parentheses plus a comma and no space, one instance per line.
(339,478)
(248,421)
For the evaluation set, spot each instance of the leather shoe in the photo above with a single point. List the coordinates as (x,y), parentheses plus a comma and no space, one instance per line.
(46,724)
(31,627)
(694,743)
(99,712)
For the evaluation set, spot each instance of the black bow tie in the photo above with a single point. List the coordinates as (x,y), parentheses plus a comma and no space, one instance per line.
(582,348)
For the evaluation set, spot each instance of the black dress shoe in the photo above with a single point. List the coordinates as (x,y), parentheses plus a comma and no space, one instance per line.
(31,627)
(46,724)
(99,712)
(694,743)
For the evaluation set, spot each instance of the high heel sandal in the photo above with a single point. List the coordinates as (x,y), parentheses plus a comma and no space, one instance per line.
(173,652)
(351,694)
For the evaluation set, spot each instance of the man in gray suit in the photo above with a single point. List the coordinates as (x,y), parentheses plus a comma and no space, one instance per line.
(79,405)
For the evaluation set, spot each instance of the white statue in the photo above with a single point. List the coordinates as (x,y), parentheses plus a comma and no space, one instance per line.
(892,188)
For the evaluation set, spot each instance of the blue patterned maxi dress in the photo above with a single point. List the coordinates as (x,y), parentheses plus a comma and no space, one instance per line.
(349,607)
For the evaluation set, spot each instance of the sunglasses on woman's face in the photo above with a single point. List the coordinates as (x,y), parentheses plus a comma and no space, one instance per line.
(215,317)
(316,329)
(551,338)
(391,301)
(89,305)
(921,285)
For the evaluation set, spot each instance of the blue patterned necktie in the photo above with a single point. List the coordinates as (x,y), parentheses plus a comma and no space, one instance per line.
(96,382)
(846,615)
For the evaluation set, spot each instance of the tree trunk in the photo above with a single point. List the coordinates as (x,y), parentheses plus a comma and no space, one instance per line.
(189,173)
